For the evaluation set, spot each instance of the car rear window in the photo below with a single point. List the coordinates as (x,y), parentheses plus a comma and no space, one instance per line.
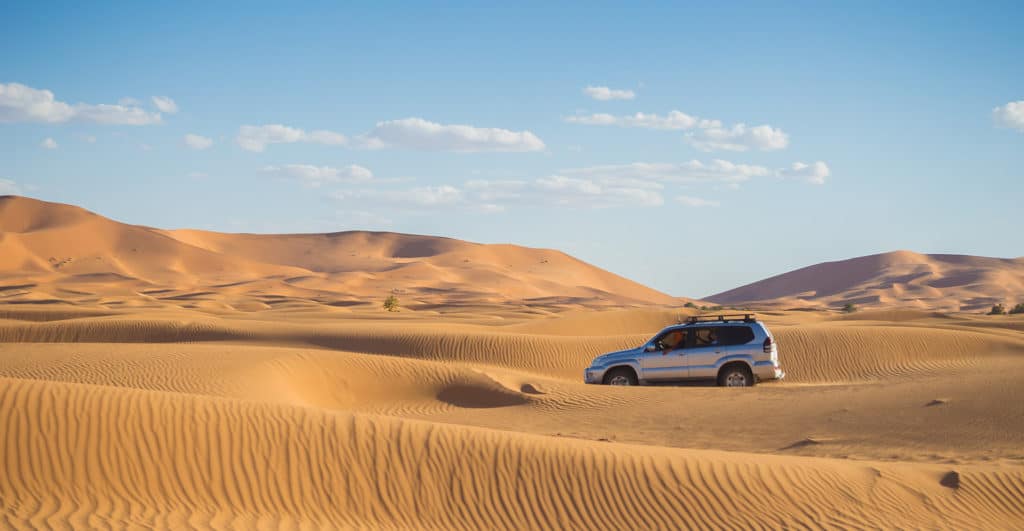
(735,335)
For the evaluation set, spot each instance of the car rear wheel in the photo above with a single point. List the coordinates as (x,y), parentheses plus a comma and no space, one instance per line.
(735,376)
(620,376)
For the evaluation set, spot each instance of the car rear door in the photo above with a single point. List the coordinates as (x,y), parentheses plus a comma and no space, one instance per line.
(702,352)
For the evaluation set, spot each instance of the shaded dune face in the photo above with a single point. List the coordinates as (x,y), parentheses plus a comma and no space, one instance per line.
(901,278)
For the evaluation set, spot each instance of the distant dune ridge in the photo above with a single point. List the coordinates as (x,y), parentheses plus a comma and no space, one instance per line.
(53,252)
(949,282)
(51,248)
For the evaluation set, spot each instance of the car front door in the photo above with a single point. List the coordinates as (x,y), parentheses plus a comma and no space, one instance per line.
(664,358)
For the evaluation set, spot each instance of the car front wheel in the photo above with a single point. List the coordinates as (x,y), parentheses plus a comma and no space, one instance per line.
(620,376)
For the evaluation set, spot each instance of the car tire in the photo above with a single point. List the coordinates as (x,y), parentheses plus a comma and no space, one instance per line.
(620,376)
(736,375)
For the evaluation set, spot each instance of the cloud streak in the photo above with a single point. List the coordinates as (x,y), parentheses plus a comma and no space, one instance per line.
(408,133)
(422,135)
(703,134)
(198,142)
(1010,115)
(318,176)
(165,104)
(21,103)
(256,138)
(606,94)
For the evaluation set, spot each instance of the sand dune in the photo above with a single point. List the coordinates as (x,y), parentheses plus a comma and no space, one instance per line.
(178,379)
(150,458)
(300,419)
(61,253)
(902,278)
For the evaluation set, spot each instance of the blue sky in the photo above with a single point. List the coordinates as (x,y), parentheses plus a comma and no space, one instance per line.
(768,138)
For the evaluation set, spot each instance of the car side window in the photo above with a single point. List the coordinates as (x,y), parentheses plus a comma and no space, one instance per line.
(735,335)
(705,337)
(672,340)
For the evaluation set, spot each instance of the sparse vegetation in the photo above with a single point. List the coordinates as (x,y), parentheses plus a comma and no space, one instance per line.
(716,308)
(998,309)
(391,303)
(689,305)
(1019,308)
(850,307)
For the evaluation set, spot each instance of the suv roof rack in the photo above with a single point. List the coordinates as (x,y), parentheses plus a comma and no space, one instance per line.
(745,317)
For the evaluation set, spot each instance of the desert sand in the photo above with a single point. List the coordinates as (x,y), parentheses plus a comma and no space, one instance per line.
(946,282)
(237,381)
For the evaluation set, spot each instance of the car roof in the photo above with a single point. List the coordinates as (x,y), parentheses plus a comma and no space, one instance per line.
(711,324)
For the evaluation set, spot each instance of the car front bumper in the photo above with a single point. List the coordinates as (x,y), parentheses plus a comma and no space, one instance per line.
(594,375)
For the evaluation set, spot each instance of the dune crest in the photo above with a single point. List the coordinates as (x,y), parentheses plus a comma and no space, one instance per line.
(52,250)
(948,282)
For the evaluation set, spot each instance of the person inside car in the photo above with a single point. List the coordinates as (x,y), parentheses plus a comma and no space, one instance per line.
(672,341)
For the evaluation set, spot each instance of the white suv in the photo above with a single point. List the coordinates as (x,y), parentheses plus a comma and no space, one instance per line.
(734,350)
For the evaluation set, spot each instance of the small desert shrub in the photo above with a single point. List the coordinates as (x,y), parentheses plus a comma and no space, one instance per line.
(998,309)
(850,308)
(391,303)
(690,305)
(716,308)
(1017,309)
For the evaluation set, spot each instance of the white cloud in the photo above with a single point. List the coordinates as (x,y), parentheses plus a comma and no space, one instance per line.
(48,143)
(687,172)
(317,176)
(711,136)
(129,102)
(115,115)
(674,120)
(258,137)
(568,191)
(165,104)
(495,196)
(814,173)
(422,196)
(704,134)
(501,190)
(696,201)
(420,134)
(20,103)
(329,138)
(9,187)
(89,138)
(197,141)
(605,93)
(1010,115)
(408,133)
(639,184)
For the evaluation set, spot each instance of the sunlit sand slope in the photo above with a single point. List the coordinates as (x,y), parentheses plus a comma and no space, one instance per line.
(89,456)
(825,351)
(63,254)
